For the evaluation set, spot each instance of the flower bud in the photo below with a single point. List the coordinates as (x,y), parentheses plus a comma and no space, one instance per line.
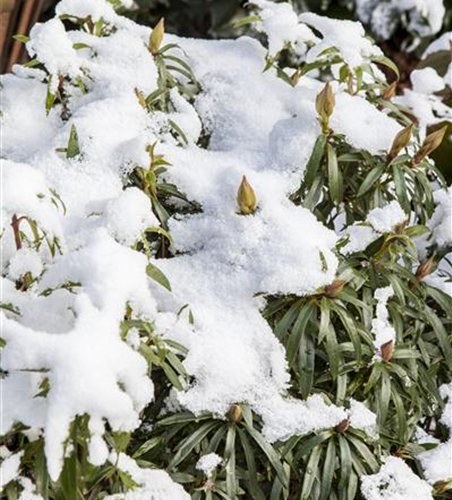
(295,78)
(324,104)
(155,40)
(387,350)
(390,91)
(141,98)
(432,141)
(442,486)
(401,140)
(335,288)
(234,413)
(343,426)
(246,199)
(425,268)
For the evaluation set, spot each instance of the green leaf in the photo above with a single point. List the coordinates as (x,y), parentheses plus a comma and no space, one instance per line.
(246,20)
(315,159)
(271,454)
(157,275)
(401,415)
(329,466)
(10,307)
(148,446)
(384,397)
(324,319)
(364,451)
(79,46)
(229,455)
(187,445)
(42,478)
(172,376)
(346,462)
(50,96)
(293,343)
(309,444)
(441,334)
(385,61)
(332,351)
(371,178)
(178,131)
(73,148)
(335,181)
(306,363)
(69,478)
(284,324)
(310,473)
(21,38)
(401,188)
(253,481)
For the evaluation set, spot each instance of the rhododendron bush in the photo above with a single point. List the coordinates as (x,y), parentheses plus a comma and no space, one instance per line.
(225,265)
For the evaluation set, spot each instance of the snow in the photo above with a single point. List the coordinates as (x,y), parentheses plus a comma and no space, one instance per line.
(96,9)
(427,107)
(128,216)
(280,22)
(348,37)
(379,220)
(387,218)
(24,261)
(359,237)
(154,484)
(381,327)
(395,481)
(441,43)
(86,380)
(9,469)
(441,221)
(28,492)
(362,418)
(51,45)
(370,129)
(437,462)
(421,17)
(426,81)
(208,463)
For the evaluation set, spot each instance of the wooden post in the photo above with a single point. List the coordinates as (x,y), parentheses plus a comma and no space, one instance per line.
(16,18)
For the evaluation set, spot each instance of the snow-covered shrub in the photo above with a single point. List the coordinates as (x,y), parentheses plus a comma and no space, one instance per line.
(421,18)
(232,274)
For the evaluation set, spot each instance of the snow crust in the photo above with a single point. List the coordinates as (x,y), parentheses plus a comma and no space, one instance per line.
(395,481)
(208,463)
(381,327)
(153,484)
(9,469)
(380,220)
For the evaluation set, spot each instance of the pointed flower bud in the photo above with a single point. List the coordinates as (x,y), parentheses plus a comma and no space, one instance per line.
(155,40)
(335,288)
(390,91)
(324,104)
(387,350)
(234,413)
(343,426)
(295,78)
(246,198)
(425,268)
(141,98)
(401,140)
(432,141)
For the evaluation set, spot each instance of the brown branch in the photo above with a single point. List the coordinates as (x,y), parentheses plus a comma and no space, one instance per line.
(15,225)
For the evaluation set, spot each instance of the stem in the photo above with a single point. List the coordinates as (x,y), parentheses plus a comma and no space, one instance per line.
(15,225)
